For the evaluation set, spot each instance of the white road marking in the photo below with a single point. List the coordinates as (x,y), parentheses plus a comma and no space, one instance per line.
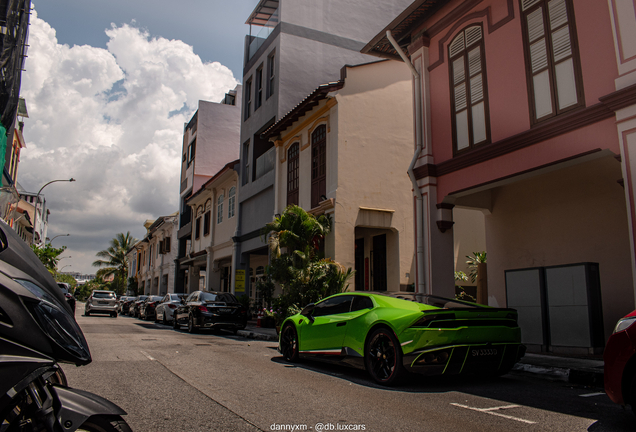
(147,355)
(492,412)
(593,394)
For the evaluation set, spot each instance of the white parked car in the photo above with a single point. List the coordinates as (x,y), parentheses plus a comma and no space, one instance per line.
(102,302)
(165,310)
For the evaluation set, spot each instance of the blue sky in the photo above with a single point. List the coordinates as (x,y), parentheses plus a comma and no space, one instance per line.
(214,28)
(109,85)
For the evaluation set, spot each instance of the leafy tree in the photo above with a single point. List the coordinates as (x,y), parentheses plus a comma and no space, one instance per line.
(114,260)
(294,240)
(60,277)
(48,255)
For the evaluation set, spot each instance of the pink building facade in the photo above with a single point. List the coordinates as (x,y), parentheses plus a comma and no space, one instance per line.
(526,115)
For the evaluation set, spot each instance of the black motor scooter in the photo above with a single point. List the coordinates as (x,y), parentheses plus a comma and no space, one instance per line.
(38,330)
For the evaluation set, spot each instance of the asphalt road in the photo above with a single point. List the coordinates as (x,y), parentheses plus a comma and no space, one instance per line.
(170,380)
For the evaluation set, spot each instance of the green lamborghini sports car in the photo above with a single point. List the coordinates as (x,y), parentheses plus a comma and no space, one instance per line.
(387,333)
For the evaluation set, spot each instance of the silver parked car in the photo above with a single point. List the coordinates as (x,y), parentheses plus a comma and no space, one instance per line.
(102,302)
(166,309)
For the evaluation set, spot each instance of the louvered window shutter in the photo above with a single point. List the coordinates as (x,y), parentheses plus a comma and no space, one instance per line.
(467,81)
(552,62)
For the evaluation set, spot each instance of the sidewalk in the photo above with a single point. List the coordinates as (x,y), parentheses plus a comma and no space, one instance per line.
(575,370)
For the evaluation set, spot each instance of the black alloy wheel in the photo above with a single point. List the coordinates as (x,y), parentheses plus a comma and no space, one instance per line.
(383,357)
(289,344)
(191,326)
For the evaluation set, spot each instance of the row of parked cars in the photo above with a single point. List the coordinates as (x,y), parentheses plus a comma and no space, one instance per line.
(198,310)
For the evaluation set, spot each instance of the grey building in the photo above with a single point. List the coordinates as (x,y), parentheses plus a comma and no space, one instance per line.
(294,46)
(210,141)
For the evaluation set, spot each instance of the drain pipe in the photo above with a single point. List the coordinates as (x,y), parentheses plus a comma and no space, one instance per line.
(420,286)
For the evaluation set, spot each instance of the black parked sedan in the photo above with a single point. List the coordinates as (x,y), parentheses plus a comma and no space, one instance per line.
(147,307)
(133,309)
(213,310)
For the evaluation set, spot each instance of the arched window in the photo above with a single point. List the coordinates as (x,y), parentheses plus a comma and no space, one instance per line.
(318,165)
(292,173)
(219,209)
(471,125)
(231,202)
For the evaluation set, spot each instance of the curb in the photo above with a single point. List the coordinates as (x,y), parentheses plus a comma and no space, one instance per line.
(259,336)
(585,377)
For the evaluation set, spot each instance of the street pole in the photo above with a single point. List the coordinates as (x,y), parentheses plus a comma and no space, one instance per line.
(61,235)
(37,199)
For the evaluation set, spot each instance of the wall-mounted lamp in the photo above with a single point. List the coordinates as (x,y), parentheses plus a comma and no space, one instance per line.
(445,216)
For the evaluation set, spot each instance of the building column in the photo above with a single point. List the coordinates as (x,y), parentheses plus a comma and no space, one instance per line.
(209,269)
(623,21)
(438,243)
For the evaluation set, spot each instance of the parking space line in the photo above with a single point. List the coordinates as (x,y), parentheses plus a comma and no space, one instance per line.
(593,394)
(147,355)
(492,412)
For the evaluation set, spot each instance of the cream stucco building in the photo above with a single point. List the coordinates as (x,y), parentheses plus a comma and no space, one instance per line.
(344,151)
(214,208)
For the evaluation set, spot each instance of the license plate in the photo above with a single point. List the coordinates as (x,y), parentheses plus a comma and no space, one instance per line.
(225,310)
(483,352)
(103,302)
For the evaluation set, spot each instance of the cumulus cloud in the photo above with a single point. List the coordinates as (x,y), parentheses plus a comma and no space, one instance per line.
(112,119)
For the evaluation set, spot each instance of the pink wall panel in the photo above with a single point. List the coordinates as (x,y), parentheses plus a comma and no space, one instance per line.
(601,135)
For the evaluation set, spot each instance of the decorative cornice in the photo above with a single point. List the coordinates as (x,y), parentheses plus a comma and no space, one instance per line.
(620,99)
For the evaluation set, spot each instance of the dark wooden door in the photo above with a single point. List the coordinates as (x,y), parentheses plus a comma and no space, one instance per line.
(379,263)
(359,263)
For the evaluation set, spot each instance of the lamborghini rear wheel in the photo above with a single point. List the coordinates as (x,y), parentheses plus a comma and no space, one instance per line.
(383,357)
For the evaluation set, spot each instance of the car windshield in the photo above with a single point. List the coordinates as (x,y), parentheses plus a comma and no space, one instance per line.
(108,295)
(440,302)
(221,297)
(176,297)
(155,298)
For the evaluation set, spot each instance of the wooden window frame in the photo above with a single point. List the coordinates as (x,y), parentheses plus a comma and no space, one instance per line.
(231,202)
(318,164)
(271,74)
(576,60)
(293,173)
(219,209)
(206,223)
(464,53)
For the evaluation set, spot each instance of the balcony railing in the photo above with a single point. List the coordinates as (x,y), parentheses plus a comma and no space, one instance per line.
(265,162)
(262,35)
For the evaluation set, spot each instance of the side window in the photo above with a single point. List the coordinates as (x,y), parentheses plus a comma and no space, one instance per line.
(259,88)
(231,202)
(361,302)
(334,305)
(191,297)
(248,98)
(318,165)
(553,67)
(467,64)
(271,74)
(219,209)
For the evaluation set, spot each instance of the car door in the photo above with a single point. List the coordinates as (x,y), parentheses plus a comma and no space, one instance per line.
(324,334)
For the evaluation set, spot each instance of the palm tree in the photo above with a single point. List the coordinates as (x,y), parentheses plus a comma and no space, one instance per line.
(114,260)
(303,276)
(298,231)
